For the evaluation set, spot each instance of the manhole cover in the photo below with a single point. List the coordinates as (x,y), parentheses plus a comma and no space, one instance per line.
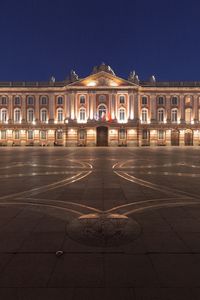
(103,230)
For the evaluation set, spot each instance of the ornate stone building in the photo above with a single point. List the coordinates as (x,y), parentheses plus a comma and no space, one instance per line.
(100,110)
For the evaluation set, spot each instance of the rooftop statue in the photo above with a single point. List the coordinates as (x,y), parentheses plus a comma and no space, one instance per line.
(133,77)
(103,67)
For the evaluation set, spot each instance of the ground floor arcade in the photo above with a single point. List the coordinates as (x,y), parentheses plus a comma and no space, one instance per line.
(101,135)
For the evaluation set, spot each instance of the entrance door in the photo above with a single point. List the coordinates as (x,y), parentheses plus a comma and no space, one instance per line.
(102,136)
(175,138)
(188,138)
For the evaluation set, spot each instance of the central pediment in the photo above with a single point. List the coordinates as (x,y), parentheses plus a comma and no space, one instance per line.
(102,79)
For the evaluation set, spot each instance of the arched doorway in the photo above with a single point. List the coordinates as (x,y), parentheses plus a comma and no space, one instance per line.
(175,138)
(102,136)
(188,138)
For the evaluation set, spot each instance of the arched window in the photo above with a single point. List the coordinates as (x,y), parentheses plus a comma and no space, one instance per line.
(82,115)
(102,112)
(30,115)
(4,115)
(160,115)
(188,115)
(60,100)
(122,114)
(17,115)
(174,115)
(43,115)
(60,115)
(144,115)
(82,99)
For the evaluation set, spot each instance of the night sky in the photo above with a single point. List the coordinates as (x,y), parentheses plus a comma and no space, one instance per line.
(42,38)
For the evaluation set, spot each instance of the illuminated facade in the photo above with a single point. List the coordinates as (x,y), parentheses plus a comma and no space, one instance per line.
(101,109)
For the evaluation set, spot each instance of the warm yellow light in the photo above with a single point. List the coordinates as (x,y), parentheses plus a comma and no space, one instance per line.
(91,83)
(112,83)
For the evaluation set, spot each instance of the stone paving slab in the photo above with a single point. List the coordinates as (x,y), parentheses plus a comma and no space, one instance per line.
(162,262)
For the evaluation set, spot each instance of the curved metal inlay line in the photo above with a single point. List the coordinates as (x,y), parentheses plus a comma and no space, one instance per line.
(43,205)
(60,202)
(49,187)
(161,206)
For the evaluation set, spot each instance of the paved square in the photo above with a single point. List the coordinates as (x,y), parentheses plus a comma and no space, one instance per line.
(125,220)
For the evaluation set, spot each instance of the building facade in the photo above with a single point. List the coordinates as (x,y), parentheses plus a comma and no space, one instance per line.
(101,109)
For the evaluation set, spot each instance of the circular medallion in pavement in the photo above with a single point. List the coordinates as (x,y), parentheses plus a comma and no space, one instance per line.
(104,230)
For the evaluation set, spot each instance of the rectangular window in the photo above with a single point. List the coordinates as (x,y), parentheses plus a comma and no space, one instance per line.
(30,101)
(144,100)
(121,99)
(82,134)
(4,101)
(16,135)
(43,100)
(3,134)
(144,134)
(122,134)
(30,134)
(160,100)
(59,134)
(17,100)
(60,101)
(43,135)
(161,134)
(174,100)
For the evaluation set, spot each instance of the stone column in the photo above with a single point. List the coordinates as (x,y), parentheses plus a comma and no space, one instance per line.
(195,109)
(153,108)
(68,106)
(23,106)
(113,108)
(37,108)
(10,109)
(182,137)
(72,106)
(136,107)
(130,116)
(168,108)
(182,109)
(51,108)
(91,106)
(94,104)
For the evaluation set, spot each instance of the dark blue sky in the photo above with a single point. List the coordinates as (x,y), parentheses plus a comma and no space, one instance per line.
(42,38)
